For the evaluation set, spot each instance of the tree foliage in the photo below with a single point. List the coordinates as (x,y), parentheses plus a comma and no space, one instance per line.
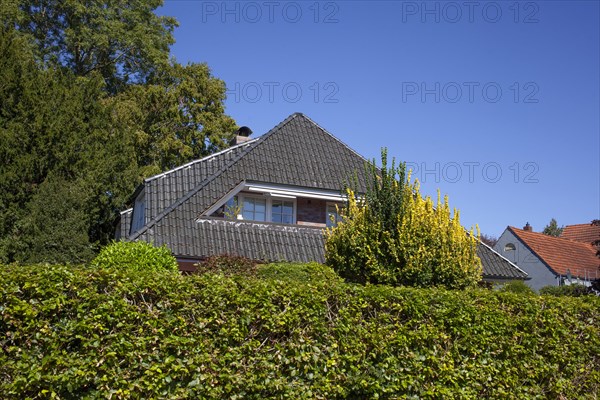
(91,99)
(488,239)
(178,116)
(394,236)
(123,40)
(57,146)
(552,229)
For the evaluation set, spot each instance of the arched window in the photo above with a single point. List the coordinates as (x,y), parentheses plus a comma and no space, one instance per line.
(509,247)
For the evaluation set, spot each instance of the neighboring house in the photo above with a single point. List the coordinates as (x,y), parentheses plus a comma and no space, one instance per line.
(549,260)
(268,199)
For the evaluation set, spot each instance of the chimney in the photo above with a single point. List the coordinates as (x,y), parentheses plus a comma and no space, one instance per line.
(242,135)
(528,228)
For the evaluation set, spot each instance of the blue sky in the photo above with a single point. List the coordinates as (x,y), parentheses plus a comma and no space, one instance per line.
(496,103)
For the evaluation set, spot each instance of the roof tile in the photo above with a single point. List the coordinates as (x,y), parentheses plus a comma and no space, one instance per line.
(587,233)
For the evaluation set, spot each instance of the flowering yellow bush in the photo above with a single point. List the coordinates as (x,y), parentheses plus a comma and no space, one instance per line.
(394,236)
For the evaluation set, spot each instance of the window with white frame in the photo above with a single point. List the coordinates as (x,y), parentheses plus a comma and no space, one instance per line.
(254,208)
(282,211)
(333,216)
(259,208)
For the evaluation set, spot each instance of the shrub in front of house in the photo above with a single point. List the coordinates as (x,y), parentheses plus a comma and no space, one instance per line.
(135,256)
(566,290)
(299,272)
(227,265)
(394,236)
(81,333)
(517,287)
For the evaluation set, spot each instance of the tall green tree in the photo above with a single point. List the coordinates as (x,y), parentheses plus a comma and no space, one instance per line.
(55,127)
(552,229)
(123,40)
(56,225)
(178,116)
(91,100)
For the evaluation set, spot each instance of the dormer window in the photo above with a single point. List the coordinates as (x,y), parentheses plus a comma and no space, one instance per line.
(267,209)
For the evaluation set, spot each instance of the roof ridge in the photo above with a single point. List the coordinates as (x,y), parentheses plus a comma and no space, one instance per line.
(228,149)
(205,182)
(586,224)
(333,136)
(548,237)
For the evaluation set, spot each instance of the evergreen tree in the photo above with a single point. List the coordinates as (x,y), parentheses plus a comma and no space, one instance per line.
(552,229)
(55,228)
(55,127)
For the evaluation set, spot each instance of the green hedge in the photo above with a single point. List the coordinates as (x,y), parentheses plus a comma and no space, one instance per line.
(298,272)
(84,333)
(574,290)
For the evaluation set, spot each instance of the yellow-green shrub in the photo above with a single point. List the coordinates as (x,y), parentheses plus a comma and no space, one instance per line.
(136,256)
(395,236)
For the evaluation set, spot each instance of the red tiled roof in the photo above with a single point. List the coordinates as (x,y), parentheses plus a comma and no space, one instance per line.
(586,233)
(562,255)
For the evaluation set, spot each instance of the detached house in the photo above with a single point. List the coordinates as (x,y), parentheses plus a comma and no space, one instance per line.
(552,260)
(268,198)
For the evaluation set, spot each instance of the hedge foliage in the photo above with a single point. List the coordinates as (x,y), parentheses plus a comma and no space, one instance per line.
(135,256)
(395,236)
(574,290)
(84,333)
(228,265)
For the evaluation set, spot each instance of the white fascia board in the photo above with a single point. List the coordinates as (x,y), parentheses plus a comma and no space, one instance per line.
(184,166)
(501,256)
(224,199)
(294,192)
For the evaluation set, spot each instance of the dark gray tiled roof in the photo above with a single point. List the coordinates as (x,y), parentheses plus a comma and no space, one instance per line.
(497,267)
(122,230)
(165,189)
(258,241)
(296,152)
(275,242)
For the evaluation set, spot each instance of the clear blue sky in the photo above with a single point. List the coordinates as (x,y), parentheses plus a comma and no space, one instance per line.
(496,103)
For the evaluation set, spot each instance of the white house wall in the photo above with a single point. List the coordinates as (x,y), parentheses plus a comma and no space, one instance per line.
(539,273)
